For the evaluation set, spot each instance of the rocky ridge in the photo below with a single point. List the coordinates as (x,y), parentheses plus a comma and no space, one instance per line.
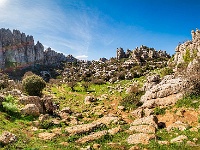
(19,50)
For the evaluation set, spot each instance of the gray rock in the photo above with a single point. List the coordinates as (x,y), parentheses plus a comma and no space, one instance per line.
(30,109)
(179,139)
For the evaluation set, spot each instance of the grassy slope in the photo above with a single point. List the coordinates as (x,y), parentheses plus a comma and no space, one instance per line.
(28,139)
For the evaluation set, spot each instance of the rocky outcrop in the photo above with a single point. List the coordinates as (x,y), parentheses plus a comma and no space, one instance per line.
(18,50)
(192,47)
(164,92)
(142,54)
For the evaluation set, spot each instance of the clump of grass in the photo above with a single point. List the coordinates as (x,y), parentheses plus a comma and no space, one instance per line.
(191,101)
(10,106)
(132,101)
(159,111)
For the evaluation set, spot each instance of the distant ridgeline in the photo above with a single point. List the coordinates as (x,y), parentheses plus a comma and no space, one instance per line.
(19,51)
(142,54)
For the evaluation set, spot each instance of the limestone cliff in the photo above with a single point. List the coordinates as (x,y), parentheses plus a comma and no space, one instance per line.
(19,50)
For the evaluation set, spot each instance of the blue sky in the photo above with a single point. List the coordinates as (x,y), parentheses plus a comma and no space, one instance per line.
(90,29)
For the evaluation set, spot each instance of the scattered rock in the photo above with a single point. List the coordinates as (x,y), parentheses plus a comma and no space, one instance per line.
(86,148)
(96,146)
(142,138)
(178,125)
(66,110)
(114,130)
(92,137)
(84,128)
(121,108)
(89,99)
(163,142)
(7,138)
(135,148)
(190,143)
(179,139)
(46,136)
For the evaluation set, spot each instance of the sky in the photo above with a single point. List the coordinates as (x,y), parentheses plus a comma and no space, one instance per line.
(92,29)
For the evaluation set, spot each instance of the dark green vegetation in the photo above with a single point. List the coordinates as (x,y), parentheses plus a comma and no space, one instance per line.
(33,85)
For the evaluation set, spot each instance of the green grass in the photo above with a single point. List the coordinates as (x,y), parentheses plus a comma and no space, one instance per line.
(191,101)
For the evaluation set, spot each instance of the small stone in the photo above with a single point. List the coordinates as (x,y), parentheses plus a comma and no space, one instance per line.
(121,107)
(134,148)
(190,143)
(46,136)
(178,125)
(96,146)
(163,142)
(179,139)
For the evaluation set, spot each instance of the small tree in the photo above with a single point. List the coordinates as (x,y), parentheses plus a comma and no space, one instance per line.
(33,85)
(86,85)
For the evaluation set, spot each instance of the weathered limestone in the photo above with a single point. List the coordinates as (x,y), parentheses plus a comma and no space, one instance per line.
(163,93)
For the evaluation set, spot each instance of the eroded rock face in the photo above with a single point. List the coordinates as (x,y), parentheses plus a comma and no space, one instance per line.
(19,50)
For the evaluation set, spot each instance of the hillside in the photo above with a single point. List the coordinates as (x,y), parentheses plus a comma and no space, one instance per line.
(140,99)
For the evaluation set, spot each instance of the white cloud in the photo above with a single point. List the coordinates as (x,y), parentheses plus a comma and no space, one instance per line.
(82,57)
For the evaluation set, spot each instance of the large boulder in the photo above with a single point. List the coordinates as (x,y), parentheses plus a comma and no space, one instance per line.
(169,85)
(33,100)
(30,109)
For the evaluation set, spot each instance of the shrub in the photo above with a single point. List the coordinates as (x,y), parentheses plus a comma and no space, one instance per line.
(9,105)
(33,85)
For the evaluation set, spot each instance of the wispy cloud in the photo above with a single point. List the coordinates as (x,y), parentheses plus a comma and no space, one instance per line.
(50,24)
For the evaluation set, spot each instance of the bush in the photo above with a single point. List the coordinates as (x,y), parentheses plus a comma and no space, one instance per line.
(9,105)
(4,81)
(33,85)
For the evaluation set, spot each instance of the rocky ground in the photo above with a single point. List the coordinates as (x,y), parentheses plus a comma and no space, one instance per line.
(96,119)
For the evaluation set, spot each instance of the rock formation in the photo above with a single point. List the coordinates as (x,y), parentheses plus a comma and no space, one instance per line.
(193,47)
(141,54)
(19,50)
